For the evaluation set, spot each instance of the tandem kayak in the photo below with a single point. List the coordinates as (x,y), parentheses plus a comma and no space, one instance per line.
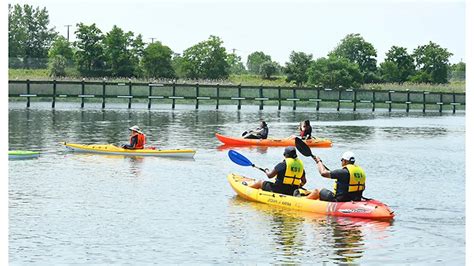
(112,149)
(370,209)
(18,155)
(236,141)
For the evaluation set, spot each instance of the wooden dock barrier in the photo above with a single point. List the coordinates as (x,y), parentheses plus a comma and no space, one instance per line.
(205,93)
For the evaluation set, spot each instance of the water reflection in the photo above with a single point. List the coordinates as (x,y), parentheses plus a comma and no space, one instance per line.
(261,150)
(297,235)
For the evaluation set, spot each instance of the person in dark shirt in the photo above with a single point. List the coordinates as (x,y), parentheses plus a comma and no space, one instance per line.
(259,133)
(290,175)
(349,180)
(305,130)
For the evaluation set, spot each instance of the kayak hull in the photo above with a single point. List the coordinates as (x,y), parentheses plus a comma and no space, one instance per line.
(369,209)
(236,141)
(115,150)
(20,155)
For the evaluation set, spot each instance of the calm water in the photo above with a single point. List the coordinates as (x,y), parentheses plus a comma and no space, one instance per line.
(79,208)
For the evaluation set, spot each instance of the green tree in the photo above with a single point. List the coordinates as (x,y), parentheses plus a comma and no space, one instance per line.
(398,65)
(157,61)
(255,60)
(137,51)
(236,65)
(61,47)
(177,64)
(333,72)
(433,60)
(268,68)
(296,69)
(118,54)
(354,48)
(57,66)
(207,60)
(457,72)
(90,51)
(390,72)
(29,37)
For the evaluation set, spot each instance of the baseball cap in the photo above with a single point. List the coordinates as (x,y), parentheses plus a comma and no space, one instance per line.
(348,156)
(290,151)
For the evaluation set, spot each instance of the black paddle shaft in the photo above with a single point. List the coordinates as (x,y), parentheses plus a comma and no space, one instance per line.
(305,149)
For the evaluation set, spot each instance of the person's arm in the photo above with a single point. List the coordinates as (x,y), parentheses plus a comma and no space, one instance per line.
(133,141)
(279,167)
(271,174)
(322,170)
(303,179)
(259,131)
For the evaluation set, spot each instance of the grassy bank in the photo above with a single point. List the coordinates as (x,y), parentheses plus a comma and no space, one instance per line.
(255,80)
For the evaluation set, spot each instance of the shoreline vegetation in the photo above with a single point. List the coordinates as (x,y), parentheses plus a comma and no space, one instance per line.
(38,52)
(244,79)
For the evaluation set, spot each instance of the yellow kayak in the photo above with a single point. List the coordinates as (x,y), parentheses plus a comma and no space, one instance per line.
(371,209)
(112,149)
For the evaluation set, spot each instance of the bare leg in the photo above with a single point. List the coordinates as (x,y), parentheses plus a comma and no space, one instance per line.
(314,195)
(256,185)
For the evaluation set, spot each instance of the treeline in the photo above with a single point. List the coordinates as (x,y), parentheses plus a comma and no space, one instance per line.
(32,44)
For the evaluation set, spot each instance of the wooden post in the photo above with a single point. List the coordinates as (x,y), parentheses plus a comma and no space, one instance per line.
(294,97)
(149,95)
(373,101)
(129,94)
(197,95)
(279,98)
(354,99)
(239,91)
(173,104)
(83,91)
(440,102)
(217,96)
(317,98)
(260,93)
(27,93)
(339,99)
(103,94)
(454,101)
(408,100)
(54,94)
(424,101)
(389,101)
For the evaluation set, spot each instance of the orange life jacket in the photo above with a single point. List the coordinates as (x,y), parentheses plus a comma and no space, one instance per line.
(141,139)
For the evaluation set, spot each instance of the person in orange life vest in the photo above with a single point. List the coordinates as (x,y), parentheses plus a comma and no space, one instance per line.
(350,180)
(305,130)
(137,139)
(290,175)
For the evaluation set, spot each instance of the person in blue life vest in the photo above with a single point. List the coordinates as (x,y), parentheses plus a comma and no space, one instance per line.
(259,133)
(349,180)
(290,175)
(137,139)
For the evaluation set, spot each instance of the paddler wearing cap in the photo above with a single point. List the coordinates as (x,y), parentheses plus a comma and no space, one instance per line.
(137,139)
(290,175)
(349,180)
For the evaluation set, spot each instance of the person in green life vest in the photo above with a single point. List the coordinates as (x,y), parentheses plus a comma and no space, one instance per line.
(290,175)
(349,180)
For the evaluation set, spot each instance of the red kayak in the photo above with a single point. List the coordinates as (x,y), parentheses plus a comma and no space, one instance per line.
(290,141)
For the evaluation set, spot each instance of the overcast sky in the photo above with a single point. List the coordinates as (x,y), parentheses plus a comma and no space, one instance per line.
(274,27)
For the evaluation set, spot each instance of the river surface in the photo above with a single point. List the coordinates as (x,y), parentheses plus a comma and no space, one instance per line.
(73,208)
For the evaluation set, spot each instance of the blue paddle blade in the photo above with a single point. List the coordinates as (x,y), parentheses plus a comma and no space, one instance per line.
(239,158)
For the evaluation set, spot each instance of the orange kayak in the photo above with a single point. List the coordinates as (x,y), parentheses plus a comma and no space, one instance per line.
(236,141)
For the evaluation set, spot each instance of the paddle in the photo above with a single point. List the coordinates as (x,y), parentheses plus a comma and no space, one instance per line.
(242,160)
(305,149)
